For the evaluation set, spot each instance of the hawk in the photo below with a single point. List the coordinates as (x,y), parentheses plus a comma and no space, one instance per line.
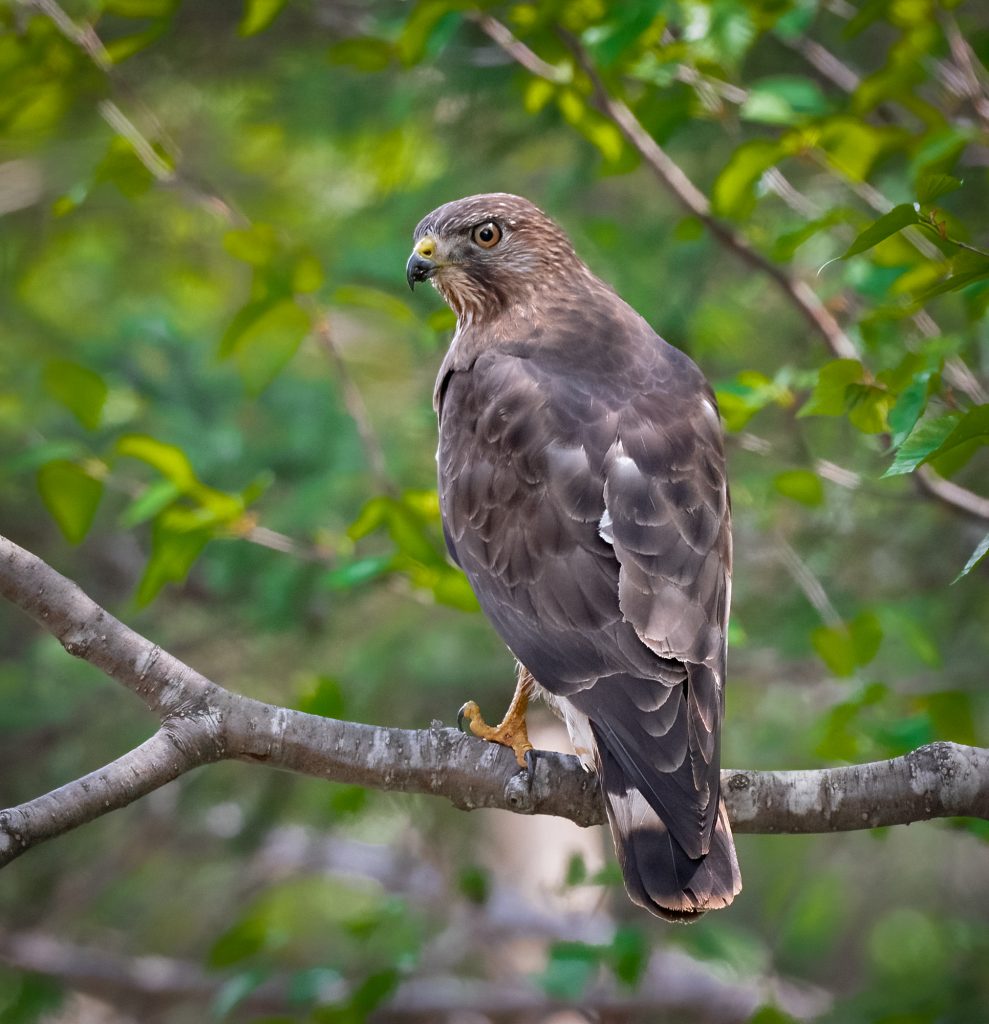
(583,492)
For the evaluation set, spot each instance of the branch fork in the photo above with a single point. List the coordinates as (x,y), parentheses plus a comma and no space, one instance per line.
(201,723)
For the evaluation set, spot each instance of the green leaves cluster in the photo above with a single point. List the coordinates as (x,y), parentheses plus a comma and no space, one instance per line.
(572,967)
(183,512)
(412,523)
(159,283)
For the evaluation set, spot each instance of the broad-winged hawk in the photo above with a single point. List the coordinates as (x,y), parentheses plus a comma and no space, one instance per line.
(583,492)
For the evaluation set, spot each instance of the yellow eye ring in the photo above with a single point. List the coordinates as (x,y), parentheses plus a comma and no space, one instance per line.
(486,235)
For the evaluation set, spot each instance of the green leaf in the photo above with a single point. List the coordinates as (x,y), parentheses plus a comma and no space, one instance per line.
(801,485)
(168,459)
(783,99)
(258,15)
(830,394)
(370,518)
(980,552)
(263,338)
(363,52)
(81,390)
(236,990)
(427,29)
(149,503)
(972,427)
(853,146)
(307,272)
(324,697)
(576,870)
(734,189)
(453,589)
(374,990)
(34,998)
(71,495)
(475,884)
(951,715)
(118,50)
(30,459)
(740,399)
(787,244)
(239,942)
(174,550)
(909,407)
(140,8)
(888,224)
(360,571)
(923,441)
(849,646)
(572,967)
(933,185)
(771,1015)
(629,955)
(410,535)
(867,407)
(538,92)
(954,283)
(345,800)
(257,245)
(373,298)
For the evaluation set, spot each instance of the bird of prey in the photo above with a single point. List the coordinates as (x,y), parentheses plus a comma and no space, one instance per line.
(583,492)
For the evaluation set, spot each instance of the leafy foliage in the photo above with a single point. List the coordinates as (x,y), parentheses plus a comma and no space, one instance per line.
(215,403)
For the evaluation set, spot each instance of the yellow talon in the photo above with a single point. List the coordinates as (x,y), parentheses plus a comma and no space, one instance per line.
(512,731)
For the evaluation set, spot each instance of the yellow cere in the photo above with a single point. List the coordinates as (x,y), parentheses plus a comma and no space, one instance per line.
(426,248)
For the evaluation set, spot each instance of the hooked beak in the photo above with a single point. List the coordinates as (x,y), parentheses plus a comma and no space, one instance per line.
(422,263)
(419,269)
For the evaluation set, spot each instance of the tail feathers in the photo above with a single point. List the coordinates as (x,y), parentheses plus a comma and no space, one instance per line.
(659,876)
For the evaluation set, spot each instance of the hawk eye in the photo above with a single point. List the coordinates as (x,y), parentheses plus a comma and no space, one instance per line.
(487,235)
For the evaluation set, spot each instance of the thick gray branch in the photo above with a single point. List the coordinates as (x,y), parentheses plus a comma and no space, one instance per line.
(202,722)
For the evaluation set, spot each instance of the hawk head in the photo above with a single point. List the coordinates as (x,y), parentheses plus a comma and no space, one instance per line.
(487,252)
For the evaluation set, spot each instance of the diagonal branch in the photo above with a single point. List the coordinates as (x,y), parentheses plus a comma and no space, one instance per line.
(202,723)
(797,292)
(690,197)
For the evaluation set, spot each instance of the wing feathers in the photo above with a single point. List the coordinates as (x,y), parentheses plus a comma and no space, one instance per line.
(590,512)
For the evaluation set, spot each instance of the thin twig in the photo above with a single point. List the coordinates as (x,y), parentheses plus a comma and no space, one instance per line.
(799,293)
(676,181)
(518,51)
(848,80)
(142,146)
(356,407)
(824,61)
(265,537)
(811,586)
(974,80)
(952,494)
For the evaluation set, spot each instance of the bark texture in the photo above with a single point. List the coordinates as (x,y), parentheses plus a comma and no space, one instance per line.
(201,722)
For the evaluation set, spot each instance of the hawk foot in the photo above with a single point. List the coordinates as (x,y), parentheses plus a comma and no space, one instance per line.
(511,732)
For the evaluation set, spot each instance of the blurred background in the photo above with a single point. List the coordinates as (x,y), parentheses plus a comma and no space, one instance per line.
(215,415)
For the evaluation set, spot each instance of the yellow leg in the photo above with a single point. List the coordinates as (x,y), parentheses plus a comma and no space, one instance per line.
(511,732)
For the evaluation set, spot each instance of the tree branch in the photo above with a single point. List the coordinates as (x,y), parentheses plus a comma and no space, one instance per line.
(202,723)
(797,292)
(690,197)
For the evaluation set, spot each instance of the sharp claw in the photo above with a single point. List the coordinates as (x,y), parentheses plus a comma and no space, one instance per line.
(530,767)
(463,723)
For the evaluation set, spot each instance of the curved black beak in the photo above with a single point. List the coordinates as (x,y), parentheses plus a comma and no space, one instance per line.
(418,269)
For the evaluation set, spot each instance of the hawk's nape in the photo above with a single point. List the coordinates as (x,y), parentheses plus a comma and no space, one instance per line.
(583,491)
